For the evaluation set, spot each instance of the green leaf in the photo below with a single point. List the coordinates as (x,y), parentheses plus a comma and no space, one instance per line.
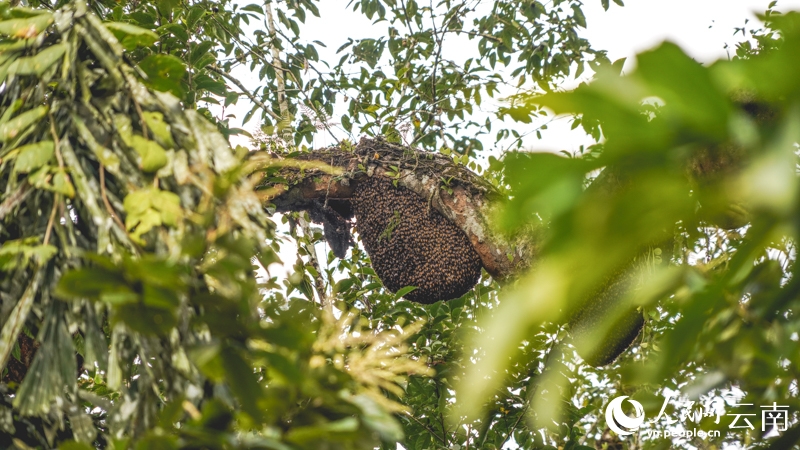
(17,125)
(90,283)
(160,297)
(26,28)
(169,205)
(160,130)
(137,202)
(154,441)
(177,30)
(307,434)
(686,87)
(194,14)
(343,285)
(199,50)
(377,417)
(580,19)
(144,319)
(33,156)
(207,359)
(131,36)
(72,445)
(152,156)
(62,184)
(148,208)
(254,8)
(38,63)
(165,7)
(403,291)
(164,73)
(243,382)
(11,251)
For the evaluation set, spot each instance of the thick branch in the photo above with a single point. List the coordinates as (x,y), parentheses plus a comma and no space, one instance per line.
(456,192)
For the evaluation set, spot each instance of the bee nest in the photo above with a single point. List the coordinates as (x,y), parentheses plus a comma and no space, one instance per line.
(412,244)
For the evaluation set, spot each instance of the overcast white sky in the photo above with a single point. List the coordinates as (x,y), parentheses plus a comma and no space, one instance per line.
(702,28)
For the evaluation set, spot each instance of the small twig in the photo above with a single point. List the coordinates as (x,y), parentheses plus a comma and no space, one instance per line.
(429,429)
(15,199)
(56,141)
(475,33)
(141,116)
(51,220)
(252,97)
(110,210)
(441,414)
(276,57)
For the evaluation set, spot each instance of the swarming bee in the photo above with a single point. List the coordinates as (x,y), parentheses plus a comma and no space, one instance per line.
(411,244)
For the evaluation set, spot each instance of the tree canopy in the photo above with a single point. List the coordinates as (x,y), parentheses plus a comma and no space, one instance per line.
(131,316)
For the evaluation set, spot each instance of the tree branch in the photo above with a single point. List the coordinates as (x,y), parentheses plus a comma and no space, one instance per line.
(245,92)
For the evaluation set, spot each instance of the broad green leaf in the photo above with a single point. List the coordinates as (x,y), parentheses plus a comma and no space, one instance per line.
(686,87)
(580,19)
(156,441)
(254,8)
(144,223)
(342,285)
(160,297)
(20,123)
(243,382)
(160,130)
(152,156)
(122,125)
(199,50)
(38,63)
(137,202)
(26,249)
(376,417)
(165,7)
(169,205)
(193,15)
(62,184)
(26,28)
(308,434)
(403,291)
(33,156)
(207,359)
(90,283)
(177,30)
(131,36)
(119,296)
(72,445)
(145,319)
(164,73)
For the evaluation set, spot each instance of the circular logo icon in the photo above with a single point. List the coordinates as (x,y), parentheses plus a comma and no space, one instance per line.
(618,421)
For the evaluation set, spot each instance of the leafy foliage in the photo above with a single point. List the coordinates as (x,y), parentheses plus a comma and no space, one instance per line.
(708,178)
(127,225)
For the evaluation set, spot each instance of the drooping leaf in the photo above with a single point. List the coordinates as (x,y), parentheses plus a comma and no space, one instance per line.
(152,156)
(164,73)
(26,28)
(131,36)
(33,156)
(39,63)
(11,129)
